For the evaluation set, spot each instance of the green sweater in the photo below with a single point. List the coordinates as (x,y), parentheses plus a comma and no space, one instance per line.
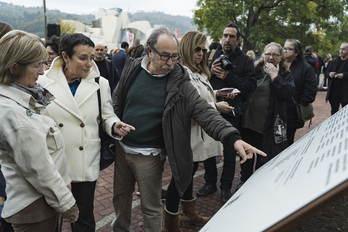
(144,108)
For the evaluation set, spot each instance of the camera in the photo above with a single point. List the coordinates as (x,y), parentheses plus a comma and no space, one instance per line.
(225,63)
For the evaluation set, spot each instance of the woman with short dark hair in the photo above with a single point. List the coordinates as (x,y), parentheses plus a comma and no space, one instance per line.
(72,79)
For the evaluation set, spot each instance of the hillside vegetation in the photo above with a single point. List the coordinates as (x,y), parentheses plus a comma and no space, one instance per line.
(31,19)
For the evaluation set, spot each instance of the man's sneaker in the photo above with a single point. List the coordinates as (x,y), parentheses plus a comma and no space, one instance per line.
(206,190)
(225,195)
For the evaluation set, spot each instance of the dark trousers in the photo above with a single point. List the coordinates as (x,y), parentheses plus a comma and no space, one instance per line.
(172,196)
(335,99)
(255,139)
(83,192)
(290,134)
(229,165)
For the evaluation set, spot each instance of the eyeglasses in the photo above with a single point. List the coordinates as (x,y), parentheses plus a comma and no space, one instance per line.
(272,54)
(288,49)
(167,57)
(199,49)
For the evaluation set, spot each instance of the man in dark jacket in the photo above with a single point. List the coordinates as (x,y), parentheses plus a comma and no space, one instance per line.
(119,59)
(156,95)
(241,75)
(104,65)
(310,57)
(337,93)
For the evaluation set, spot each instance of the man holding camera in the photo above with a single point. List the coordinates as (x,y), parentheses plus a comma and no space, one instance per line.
(337,93)
(230,68)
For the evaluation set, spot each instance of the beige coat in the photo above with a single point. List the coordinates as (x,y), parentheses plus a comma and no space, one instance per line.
(203,146)
(77,118)
(31,154)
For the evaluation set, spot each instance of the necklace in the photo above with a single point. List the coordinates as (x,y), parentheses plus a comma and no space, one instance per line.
(30,112)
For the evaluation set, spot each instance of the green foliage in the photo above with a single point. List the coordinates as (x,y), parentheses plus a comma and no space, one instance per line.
(66,28)
(31,19)
(320,23)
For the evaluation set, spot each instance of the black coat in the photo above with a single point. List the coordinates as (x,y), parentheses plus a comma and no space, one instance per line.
(306,89)
(282,89)
(241,76)
(333,67)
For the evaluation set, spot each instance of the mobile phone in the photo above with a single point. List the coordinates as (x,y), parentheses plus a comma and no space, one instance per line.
(227,91)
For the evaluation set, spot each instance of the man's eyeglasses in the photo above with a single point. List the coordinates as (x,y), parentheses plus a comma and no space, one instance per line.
(167,57)
(272,54)
(199,49)
(288,49)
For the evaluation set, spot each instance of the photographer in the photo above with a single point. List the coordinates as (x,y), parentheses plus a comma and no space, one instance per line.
(233,69)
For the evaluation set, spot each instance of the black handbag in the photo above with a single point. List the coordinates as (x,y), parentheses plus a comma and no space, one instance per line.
(305,113)
(107,149)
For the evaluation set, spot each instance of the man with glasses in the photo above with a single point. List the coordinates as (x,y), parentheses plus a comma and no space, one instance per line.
(156,95)
(240,76)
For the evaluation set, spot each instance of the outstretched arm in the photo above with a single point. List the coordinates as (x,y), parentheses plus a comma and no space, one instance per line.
(246,151)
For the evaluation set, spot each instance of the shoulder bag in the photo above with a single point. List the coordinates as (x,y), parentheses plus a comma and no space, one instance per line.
(107,149)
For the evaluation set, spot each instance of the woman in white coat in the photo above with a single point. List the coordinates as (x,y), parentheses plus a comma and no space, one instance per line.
(193,57)
(71,79)
(32,153)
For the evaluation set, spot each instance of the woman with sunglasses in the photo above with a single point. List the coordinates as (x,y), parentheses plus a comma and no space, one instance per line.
(264,118)
(193,57)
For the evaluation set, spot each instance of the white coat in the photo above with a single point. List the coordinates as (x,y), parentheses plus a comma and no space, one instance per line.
(77,118)
(203,146)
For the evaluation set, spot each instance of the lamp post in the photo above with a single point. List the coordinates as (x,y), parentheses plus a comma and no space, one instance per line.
(45,17)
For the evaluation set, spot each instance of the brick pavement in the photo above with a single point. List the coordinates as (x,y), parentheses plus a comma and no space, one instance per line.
(206,206)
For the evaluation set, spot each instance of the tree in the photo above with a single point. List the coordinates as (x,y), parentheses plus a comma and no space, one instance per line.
(66,28)
(264,21)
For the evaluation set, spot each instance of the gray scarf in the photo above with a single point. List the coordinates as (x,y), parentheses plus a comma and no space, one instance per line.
(40,94)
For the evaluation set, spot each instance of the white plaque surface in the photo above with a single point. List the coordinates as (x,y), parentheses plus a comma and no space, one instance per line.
(304,172)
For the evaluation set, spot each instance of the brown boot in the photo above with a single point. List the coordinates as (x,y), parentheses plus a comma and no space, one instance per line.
(171,222)
(190,215)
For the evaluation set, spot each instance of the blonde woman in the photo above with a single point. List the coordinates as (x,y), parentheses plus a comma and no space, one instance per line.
(32,152)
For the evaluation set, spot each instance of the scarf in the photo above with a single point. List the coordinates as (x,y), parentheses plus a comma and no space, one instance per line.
(40,94)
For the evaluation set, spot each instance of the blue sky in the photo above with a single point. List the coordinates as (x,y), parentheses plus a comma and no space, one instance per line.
(174,7)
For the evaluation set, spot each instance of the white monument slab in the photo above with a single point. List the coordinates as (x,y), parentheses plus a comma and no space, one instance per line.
(306,175)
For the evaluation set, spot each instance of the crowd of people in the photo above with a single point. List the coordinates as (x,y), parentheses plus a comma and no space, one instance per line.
(165,100)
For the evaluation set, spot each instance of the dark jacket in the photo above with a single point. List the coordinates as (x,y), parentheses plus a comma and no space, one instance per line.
(118,60)
(310,60)
(182,104)
(306,89)
(282,89)
(241,76)
(333,67)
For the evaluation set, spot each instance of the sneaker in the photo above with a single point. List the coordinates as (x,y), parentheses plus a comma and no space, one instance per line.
(225,195)
(206,189)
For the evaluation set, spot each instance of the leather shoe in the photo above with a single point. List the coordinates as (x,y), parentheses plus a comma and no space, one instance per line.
(225,195)
(206,189)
